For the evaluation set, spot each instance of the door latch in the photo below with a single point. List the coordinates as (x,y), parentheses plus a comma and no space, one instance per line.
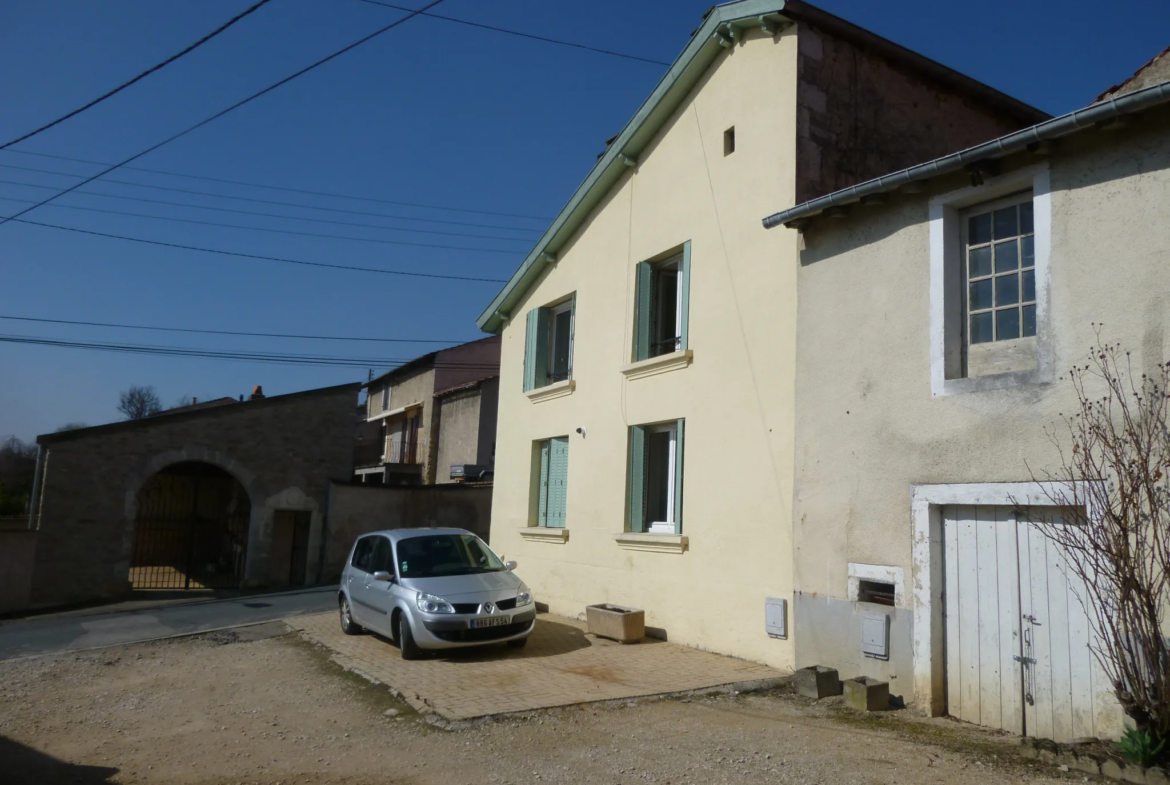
(1030,618)
(1025,660)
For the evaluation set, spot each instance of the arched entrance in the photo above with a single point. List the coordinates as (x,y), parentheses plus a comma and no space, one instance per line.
(191,529)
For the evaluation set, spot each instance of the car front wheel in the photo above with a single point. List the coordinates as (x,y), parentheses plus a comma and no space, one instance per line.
(406,644)
(348,625)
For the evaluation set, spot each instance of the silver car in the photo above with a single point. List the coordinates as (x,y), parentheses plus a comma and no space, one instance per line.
(430,589)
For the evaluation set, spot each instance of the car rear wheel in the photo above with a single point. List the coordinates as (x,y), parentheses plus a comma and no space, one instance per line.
(518,643)
(406,644)
(348,625)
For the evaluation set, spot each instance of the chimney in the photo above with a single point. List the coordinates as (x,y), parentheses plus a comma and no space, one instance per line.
(257,393)
(194,400)
(241,398)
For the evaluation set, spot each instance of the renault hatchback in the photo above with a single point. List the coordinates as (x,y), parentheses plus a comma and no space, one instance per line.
(431,589)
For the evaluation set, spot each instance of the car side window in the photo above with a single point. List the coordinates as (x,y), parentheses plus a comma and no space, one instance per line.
(380,559)
(362,553)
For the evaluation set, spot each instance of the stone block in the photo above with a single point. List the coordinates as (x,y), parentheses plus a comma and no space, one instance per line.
(866,694)
(1157,776)
(1082,761)
(817,681)
(624,625)
(1131,772)
(1111,768)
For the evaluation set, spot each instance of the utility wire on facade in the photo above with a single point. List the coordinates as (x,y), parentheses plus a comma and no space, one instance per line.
(259,201)
(330,194)
(231,108)
(524,35)
(138,78)
(237,211)
(261,257)
(263,229)
(158,328)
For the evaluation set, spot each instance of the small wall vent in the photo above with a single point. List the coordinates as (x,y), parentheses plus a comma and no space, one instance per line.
(876,591)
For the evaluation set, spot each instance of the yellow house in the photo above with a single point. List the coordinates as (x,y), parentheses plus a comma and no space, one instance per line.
(645,443)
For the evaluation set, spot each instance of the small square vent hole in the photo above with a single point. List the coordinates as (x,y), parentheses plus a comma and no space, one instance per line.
(876,592)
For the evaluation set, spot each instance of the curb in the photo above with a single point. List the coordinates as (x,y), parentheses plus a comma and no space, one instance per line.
(1070,758)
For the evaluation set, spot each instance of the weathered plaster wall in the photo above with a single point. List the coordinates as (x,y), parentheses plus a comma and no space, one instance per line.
(459,421)
(868,427)
(861,116)
(413,387)
(284,450)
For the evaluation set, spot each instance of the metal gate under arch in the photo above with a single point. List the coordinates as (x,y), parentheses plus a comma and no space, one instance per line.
(191,531)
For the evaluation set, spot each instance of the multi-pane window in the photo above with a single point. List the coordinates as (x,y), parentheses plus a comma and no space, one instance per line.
(1000,257)
(661,312)
(552,483)
(656,474)
(548,346)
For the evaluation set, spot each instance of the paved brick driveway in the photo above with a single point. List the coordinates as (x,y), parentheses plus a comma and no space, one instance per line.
(560,666)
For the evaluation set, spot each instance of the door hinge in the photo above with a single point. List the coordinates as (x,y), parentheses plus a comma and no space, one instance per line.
(1025,660)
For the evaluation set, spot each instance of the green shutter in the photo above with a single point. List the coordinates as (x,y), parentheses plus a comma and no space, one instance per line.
(536,349)
(642,289)
(542,487)
(558,482)
(684,299)
(678,475)
(637,478)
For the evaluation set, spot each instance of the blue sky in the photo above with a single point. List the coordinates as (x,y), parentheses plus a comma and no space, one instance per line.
(431,113)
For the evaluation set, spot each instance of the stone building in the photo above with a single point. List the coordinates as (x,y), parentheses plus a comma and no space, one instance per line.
(224,496)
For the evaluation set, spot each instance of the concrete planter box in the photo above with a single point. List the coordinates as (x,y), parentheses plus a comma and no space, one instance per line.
(817,681)
(624,625)
(866,694)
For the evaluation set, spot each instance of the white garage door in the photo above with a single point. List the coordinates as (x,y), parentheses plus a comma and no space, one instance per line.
(1018,654)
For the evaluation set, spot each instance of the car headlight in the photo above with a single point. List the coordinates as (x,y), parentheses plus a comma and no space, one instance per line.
(524,597)
(429,603)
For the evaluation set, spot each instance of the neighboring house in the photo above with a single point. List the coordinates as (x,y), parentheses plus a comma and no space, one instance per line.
(647,382)
(941,308)
(400,442)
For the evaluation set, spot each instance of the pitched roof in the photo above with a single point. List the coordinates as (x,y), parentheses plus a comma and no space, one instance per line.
(722,26)
(1156,70)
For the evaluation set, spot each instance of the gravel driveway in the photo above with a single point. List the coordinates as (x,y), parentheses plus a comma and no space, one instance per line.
(218,709)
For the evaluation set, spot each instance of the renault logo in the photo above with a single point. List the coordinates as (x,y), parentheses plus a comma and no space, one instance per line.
(489,607)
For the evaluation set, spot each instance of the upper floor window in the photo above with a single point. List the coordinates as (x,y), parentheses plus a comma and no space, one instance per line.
(662,305)
(548,345)
(386,397)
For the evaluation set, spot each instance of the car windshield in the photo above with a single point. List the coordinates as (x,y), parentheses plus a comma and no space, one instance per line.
(438,555)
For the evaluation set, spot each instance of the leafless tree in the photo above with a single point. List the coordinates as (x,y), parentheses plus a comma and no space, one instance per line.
(1114,499)
(139,402)
(70,426)
(17,465)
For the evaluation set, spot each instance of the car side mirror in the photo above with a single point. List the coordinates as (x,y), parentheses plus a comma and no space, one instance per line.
(382,575)
(510,565)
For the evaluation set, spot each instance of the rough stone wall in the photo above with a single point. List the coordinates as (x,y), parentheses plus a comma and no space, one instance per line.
(860,116)
(358,509)
(459,418)
(17,551)
(284,450)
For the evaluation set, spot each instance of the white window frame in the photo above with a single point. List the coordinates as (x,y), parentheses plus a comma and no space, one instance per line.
(667,526)
(385,397)
(947,279)
(554,311)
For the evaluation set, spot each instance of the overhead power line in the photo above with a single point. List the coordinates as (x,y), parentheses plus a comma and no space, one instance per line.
(525,35)
(266,201)
(231,108)
(225,332)
(138,78)
(259,228)
(240,255)
(330,194)
(258,357)
(272,215)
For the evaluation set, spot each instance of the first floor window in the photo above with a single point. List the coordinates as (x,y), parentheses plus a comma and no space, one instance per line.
(548,345)
(1000,255)
(552,483)
(656,478)
(386,398)
(661,310)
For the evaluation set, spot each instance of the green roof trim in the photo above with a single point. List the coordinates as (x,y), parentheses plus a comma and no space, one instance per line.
(705,45)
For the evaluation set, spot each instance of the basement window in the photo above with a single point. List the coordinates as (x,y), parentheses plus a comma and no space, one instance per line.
(729,141)
(876,592)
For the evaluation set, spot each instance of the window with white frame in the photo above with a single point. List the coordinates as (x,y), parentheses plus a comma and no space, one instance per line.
(548,346)
(386,397)
(999,251)
(655,480)
(662,294)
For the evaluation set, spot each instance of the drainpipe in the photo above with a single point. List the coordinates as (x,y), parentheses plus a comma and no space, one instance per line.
(34,497)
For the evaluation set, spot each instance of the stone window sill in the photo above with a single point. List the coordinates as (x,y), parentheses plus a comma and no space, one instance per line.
(550,391)
(657,543)
(656,365)
(544,534)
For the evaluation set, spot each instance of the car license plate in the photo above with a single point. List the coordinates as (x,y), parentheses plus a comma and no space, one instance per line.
(490,621)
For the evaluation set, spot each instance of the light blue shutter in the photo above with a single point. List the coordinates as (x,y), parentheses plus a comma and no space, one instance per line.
(637,478)
(558,482)
(542,488)
(642,287)
(684,299)
(678,477)
(536,349)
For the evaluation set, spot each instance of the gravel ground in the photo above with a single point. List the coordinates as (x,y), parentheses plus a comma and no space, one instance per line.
(218,709)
